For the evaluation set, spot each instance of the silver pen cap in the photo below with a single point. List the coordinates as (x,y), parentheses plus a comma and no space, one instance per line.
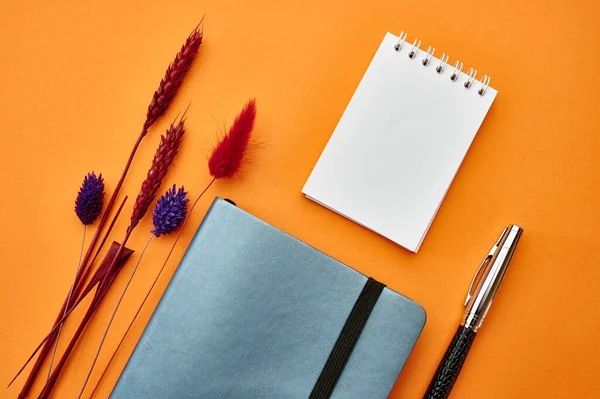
(489,276)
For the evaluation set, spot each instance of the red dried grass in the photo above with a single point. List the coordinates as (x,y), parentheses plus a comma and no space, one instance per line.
(174,76)
(107,271)
(225,161)
(147,293)
(161,100)
(167,149)
(79,293)
(163,158)
(226,158)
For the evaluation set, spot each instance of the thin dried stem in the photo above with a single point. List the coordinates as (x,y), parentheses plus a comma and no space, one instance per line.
(161,100)
(112,317)
(68,301)
(76,293)
(85,276)
(84,265)
(103,285)
(149,290)
(163,158)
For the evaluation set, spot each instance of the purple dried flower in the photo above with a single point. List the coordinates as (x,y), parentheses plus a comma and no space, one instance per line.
(88,205)
(170,211)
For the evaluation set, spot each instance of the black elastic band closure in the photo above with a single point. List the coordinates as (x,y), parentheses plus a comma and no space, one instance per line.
(347,340)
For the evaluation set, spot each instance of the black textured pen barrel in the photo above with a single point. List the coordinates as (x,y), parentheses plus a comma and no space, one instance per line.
(481,294)
(449,368)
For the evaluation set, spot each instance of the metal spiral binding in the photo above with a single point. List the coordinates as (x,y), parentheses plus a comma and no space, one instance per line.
(457,69)
(485,84)
(415,48)
(471,74)
(401,40)
(443,63)
(430,51)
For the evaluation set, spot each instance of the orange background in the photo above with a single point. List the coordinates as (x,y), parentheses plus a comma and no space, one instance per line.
(78,76)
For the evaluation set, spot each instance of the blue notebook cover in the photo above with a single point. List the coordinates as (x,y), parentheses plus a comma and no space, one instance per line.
(252,312)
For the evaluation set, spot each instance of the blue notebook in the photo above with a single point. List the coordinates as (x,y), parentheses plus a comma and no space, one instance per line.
(252,312)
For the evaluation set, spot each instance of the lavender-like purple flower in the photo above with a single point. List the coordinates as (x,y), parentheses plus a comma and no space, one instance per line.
(170,211)
(88,206)
(90,199)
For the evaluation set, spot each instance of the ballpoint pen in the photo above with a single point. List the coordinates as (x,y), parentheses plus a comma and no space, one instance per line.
(482,292)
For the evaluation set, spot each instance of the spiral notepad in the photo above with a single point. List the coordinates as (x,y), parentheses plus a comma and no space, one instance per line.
(401,140)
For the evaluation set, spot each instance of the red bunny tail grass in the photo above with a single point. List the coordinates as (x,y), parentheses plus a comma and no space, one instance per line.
(227,157)
(165,153)
(161,100)
(225,161)
(173,77)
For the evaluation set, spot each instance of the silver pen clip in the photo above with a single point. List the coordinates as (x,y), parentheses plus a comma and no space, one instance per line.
(481,268)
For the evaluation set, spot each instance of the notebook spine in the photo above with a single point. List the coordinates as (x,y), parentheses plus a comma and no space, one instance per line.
(457,66)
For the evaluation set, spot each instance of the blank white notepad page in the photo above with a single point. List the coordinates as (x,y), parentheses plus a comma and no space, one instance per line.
(399,144)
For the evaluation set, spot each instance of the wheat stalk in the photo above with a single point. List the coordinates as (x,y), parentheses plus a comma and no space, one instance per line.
(161,100)
(165,154)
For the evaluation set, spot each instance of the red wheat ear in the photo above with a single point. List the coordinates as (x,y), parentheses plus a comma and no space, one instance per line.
(169,85)
(224,162)
(165,153)
(167,149)
(161,100)
(227,157)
